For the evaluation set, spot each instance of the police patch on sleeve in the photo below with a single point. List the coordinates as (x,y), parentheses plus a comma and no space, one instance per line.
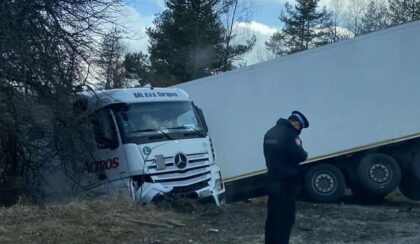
(298,141)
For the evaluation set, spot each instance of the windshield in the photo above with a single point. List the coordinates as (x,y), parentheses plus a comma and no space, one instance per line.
(157,121)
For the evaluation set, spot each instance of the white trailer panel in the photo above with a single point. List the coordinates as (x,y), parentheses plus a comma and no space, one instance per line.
(356,92)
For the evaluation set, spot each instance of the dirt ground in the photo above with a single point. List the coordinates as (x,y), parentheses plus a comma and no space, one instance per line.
(397,220)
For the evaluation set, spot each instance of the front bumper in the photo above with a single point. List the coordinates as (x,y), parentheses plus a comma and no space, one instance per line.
(210,187)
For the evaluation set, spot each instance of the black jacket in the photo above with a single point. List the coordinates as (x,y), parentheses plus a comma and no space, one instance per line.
(283,150)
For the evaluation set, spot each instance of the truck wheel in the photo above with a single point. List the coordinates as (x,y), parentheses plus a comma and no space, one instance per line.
(324,183)
(410,186)
(378,173)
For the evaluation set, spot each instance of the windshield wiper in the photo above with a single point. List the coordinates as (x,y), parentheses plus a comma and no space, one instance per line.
(187,127)
(152,130)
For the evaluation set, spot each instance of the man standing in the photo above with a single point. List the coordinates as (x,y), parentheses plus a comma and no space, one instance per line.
(283,152)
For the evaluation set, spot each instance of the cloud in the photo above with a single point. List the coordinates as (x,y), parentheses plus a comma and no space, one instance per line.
(263,33)
(135,25)
(257,27)
(157,3)
(160,3)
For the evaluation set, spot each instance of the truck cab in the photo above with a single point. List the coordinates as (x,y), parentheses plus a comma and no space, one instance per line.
(150,142)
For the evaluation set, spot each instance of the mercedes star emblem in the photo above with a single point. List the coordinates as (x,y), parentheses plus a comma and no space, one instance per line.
(181,161)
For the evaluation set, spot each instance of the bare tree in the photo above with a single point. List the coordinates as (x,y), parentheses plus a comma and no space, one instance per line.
(263,55)
(111,59)
(45,50)
(337,31)
(354,20)
(233,12)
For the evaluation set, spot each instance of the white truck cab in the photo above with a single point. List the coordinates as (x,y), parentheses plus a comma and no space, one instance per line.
(151,142)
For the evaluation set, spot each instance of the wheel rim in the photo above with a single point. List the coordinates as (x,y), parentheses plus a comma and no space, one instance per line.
(379,173)
(324,183)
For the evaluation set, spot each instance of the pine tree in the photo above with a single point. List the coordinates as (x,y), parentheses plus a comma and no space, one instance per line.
(137,67)
(375,17)
(402,11)
(304,27)
(184,44)
(189,41)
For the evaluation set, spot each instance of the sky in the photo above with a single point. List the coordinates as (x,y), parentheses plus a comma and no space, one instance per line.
(263,22)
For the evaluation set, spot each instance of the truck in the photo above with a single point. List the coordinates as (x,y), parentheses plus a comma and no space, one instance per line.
(361,97)
(149,143)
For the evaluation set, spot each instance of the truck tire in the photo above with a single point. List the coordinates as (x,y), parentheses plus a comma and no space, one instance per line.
(378,174)
(410,186)
(324,183)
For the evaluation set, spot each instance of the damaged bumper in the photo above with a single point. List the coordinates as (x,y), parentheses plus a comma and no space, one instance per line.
(211,187)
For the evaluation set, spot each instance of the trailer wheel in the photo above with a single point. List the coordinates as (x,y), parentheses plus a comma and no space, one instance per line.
(324,183)
(378,173)
(410,186)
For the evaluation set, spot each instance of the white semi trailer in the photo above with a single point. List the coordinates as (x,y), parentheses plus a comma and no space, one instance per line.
(362,98)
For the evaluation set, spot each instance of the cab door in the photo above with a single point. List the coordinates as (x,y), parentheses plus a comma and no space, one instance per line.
(108,162)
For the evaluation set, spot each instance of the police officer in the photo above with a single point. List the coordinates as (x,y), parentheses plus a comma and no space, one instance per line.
(283,152)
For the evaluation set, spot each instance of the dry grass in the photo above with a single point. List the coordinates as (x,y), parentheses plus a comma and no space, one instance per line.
(397,220)
(118,220)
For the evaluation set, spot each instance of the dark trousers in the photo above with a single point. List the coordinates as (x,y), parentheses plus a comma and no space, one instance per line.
(281,208)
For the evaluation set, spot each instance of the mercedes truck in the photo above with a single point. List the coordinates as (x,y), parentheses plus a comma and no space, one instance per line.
(150,142)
